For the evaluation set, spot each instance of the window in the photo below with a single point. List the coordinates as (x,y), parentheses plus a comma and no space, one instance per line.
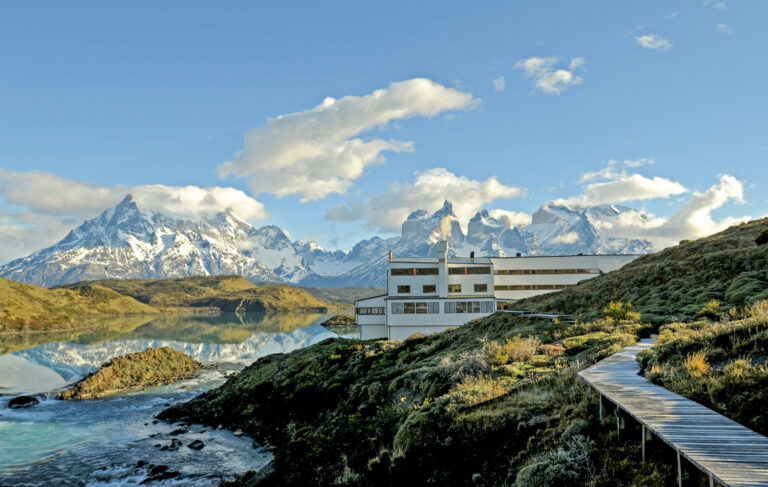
(370,311)
(402,272)
(481,288)
(416,307)
(486,306)
(449,307)
(414,271)
(468,306)
(526,272)
(403,289)
(426,271)
(478,270)
(469,270)
(537,287)
(454,288)
(429,289)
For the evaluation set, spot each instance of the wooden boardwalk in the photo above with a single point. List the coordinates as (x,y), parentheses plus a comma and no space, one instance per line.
(730,453)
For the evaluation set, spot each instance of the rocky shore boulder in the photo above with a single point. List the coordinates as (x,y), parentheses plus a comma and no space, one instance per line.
(152,367)
(23,402)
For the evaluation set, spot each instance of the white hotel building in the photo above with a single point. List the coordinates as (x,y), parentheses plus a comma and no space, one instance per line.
(429,295)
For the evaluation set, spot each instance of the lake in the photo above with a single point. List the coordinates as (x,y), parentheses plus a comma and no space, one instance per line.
(114,440)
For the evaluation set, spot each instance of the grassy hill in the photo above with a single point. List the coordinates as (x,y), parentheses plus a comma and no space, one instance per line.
(228,293)
(24,306)
(497,401)
(675,283)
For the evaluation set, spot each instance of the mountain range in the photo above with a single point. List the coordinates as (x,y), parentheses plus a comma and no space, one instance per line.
(130,242)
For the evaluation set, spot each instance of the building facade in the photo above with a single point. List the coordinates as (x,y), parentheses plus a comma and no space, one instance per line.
(429,295)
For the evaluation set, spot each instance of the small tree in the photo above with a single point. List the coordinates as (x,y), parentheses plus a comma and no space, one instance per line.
(762,239)
(617,311)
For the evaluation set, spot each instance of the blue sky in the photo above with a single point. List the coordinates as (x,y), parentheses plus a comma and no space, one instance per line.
(115,96)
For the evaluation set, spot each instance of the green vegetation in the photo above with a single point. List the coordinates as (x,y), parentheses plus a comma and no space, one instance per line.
(24,307)
(227,293)
(497,401)
(762,239)
(341,324)
(674,284)
(152,367)
(721,365)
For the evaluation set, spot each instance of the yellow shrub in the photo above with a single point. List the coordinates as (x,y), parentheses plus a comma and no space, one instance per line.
(759,310)
(553,350)
(617,311)
(512,350)
(738,368)
(696,364)
(476,390)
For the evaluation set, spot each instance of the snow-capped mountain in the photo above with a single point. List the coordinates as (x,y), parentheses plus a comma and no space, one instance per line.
(129,242)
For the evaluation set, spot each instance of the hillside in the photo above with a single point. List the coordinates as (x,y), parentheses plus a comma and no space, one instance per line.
(228,293)
(24,306)
(495,402)
(675,283)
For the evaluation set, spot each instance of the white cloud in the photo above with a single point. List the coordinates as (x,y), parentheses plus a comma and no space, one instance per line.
(511,219)
(692,220)
(610,170)
(499,84)
(566,238)
(42,207)
(672,15)
(626,187)
(546,77)
(652,41)
(430,189)
(316,152)
(723,29)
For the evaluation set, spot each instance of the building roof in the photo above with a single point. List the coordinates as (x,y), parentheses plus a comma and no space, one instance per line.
(466,296)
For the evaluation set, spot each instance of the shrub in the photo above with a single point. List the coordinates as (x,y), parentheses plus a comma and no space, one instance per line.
(696,364)
(762,239)
(617,311)
(512,350)
(738,369)
(553,350)
(569,466)
(710,311)
(759,310)
(466,364)
(475,390)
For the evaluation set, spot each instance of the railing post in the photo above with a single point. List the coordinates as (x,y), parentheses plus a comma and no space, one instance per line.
(601,407)
(711,481)
(679,471)
(643,442)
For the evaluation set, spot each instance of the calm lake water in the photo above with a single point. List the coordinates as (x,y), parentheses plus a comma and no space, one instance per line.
(105,441)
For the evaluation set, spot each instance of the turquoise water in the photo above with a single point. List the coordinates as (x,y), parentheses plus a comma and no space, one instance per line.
(104,441)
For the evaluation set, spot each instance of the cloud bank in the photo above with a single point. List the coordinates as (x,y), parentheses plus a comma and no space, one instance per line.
(317,152)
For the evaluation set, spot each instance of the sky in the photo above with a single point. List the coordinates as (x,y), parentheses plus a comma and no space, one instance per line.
(335,120)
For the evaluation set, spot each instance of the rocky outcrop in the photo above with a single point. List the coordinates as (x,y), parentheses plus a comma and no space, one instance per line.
(152,367)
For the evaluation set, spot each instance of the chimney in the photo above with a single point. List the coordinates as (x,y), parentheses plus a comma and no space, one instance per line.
(442,259)
(519,254)
(390,256)
(472,255)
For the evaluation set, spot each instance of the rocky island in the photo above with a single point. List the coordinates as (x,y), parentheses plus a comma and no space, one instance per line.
(152,367)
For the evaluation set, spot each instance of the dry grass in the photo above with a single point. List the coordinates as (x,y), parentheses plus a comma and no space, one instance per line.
(738,369)
(555,350)
(475,390)
(696,364)
(514,349)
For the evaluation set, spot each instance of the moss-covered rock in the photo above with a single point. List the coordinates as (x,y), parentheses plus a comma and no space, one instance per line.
(152,367)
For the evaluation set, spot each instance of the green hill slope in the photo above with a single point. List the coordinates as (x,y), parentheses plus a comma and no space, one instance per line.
(24,306)
(676,282)
(228,293)
(494,402)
